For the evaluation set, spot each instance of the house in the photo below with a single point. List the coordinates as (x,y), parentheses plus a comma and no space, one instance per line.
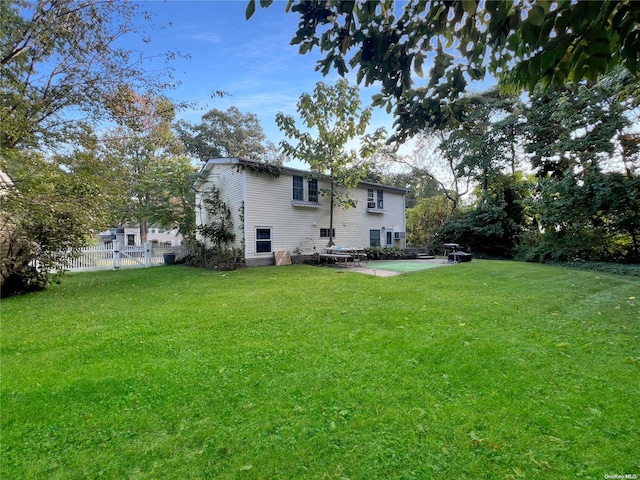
(282,209)
(130,235)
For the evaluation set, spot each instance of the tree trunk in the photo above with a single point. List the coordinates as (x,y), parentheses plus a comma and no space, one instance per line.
(144,228)
(331,244)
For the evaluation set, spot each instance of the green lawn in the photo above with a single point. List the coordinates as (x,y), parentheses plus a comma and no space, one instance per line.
(494,370)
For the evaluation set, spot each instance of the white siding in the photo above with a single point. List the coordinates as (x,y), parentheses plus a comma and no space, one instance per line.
(353,225)
(229,181)
(269,204)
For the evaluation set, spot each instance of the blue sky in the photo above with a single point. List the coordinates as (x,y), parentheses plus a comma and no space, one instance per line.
(251,60)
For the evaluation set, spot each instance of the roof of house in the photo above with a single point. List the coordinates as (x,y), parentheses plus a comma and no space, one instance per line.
(264,167)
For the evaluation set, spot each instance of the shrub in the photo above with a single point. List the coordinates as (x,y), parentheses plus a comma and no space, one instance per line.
(214,258)
(375,253)
(627,269)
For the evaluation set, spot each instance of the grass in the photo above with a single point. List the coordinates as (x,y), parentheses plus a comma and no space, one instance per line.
(495,370)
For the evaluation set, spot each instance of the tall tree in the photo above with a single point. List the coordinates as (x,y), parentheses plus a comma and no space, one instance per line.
(435,158)
(425,218)
(226,134)
(524,42)
(155,174)
(486,143)
(60,62)
(576,126)
(336,116)
(61,56)
(495,221)
(583,209)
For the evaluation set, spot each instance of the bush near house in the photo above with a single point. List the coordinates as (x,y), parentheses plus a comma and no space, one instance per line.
(377,253)
(214,258)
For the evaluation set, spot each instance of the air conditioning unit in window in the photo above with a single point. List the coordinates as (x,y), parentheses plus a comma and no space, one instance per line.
(398,235)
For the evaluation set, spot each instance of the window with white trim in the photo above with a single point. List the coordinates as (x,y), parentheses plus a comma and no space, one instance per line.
(371,203)
(313,189)
(305,192)
(263,240)
(298,188)
(374,238)
(389,238)
(375,200)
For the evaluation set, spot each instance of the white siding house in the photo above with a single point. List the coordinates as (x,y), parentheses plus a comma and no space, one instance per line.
(281,209)
(130,235)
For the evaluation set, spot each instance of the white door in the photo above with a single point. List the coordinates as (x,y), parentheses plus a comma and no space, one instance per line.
(388,237)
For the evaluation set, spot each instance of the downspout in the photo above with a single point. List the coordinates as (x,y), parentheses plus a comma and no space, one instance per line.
(404,219)
(331,244)
(244,214)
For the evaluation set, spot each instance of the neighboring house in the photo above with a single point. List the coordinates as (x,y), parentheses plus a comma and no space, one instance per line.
(282,210)
(130,235)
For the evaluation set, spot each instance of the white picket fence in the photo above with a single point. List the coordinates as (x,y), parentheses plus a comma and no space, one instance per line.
(116,255)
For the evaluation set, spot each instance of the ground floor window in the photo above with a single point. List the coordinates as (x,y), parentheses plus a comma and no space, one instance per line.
(263,240)
(131,239)
(374,238)
(324,232)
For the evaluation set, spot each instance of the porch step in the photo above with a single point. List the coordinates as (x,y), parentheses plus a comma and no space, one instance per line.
(424,256)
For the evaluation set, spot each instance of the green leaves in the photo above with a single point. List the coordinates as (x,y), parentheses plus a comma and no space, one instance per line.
(229,133)
(52,208)
(218,226)
(523,43)
(251,7)
(78,39)
(250,10)
(535,16)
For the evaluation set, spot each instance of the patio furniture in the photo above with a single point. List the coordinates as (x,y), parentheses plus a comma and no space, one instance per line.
(449,250)
(336,257)
(459,257)
(339,254)
(357,254)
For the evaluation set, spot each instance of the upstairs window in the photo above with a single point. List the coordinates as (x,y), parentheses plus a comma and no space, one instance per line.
(305,192)
(371,203)
(313,189)
(375,200)
(298,188)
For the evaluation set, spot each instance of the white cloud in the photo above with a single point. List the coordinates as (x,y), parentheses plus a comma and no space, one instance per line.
(212,38)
